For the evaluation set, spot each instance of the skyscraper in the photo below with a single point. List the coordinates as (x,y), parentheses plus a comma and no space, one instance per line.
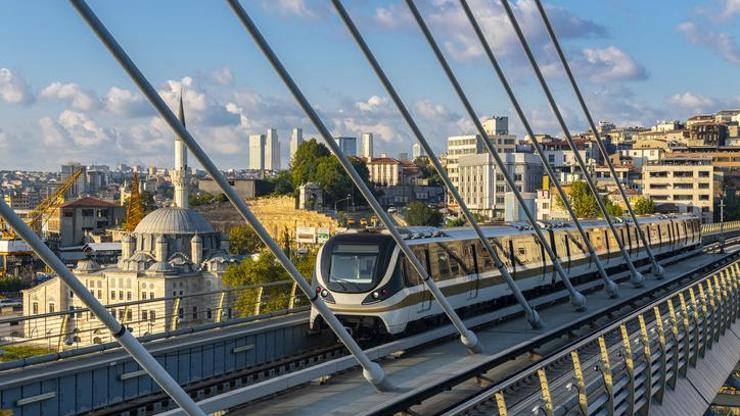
(296,138)
(348,145)
(367,145)
(181,174)
(257,151)
(272,151)
(417,151)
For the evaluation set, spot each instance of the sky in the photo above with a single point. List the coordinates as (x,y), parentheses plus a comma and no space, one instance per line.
(63,97)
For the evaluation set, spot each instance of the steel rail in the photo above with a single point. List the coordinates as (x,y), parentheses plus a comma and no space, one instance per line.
(532,315)
(609,285)
(576,298)
(117,330)
(371,370)
(637,278)
(657,268)
(467,337)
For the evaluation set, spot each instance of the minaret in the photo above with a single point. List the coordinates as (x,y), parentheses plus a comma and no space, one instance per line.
(181,175)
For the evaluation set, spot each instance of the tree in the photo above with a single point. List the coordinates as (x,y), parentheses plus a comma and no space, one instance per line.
(427,171)
(282,182)
(306,158)
(584,202)
(644,206)
(260,270)
(418,213)
(243,240)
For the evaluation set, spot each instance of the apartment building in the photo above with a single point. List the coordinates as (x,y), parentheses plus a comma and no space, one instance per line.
(682,185)
(483,186)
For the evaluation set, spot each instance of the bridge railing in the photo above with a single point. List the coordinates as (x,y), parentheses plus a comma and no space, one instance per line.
(654,346)
(718,227)
(30,335)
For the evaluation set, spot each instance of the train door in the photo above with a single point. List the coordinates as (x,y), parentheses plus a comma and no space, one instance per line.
(425,300)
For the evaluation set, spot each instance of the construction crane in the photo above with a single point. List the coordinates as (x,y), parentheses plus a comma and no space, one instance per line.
(39,216)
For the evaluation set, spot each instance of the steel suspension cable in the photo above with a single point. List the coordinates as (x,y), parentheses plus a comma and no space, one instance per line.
(576,298)
(609,285)
(637,278)
(371,370)
(657,268)
(467,337)
(532,316)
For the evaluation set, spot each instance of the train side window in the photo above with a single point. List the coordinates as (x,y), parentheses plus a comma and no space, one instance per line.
(411,276)
(485,263)
(502,249)
(440,260)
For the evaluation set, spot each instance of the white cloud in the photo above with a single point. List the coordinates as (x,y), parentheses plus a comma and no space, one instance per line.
(123,102)
(393,16)
(611,63)
(14,88)
(84,131)
(293,7)
(221,76)
(71,93)
(690,101)
(731,7)
(432,111)
(721,42)
(453,28)
(199,106)
(373,104)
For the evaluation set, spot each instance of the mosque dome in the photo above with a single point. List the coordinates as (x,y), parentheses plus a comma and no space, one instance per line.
(174,220)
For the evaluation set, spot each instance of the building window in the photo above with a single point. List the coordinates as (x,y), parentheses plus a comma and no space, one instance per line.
(195,313)
(144,315)
(209,314)
(120,294)
(151,295)
(143,295)
(112,295)
(129,315)
(703,174)
(88,212)
(52,308)
(153,316)
(129,296)
(71,294)
(100,294)
(180,313)
(35,308)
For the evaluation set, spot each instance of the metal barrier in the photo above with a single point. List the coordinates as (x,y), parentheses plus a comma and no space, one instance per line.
(719,227)
(38,334)
(652,347)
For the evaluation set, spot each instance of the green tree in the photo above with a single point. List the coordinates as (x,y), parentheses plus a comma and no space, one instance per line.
(427,171)
(644,206)
(306,159)
(260,270)
(243,240)
(418,213)
(282,182)
(455,222)
(584,202)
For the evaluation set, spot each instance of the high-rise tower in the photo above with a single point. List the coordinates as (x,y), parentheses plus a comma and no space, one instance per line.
(181,174)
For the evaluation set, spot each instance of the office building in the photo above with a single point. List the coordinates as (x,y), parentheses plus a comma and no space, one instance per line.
(458,146)
(348,145)
(257,151)
(296,138)
(417,151)
(367,146)
(497,130)
(272,150)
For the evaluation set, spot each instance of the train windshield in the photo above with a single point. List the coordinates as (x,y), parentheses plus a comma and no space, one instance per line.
(352,267)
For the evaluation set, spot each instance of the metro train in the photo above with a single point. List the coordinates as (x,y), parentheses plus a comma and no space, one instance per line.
(372,288)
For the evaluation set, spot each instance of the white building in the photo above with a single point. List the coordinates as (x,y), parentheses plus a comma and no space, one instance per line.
(642,156)
(257,151)
(681,185)
(272,150)
(458,146)
(296,138)
(417,151)
(497,129)
(367,146)
(484,188)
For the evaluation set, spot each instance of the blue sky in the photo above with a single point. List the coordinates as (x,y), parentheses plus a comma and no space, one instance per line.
(63,97)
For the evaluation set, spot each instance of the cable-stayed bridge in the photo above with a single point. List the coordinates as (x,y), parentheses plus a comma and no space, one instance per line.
(643,322)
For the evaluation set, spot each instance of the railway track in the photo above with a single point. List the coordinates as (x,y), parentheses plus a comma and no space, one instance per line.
(211,387)
(523,391)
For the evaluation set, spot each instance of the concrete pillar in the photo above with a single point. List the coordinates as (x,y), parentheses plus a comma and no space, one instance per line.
(196,249)
(127,246)
(160,248)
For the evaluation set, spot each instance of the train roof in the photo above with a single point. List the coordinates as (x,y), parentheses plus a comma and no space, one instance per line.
(424,235)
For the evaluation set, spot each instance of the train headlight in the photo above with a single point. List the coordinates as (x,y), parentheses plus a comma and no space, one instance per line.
(324,293)
(376,295)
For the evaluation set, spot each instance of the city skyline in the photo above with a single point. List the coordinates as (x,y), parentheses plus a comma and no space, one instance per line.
(86,109)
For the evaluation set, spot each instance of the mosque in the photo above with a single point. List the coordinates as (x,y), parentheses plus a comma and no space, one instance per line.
(173,253)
